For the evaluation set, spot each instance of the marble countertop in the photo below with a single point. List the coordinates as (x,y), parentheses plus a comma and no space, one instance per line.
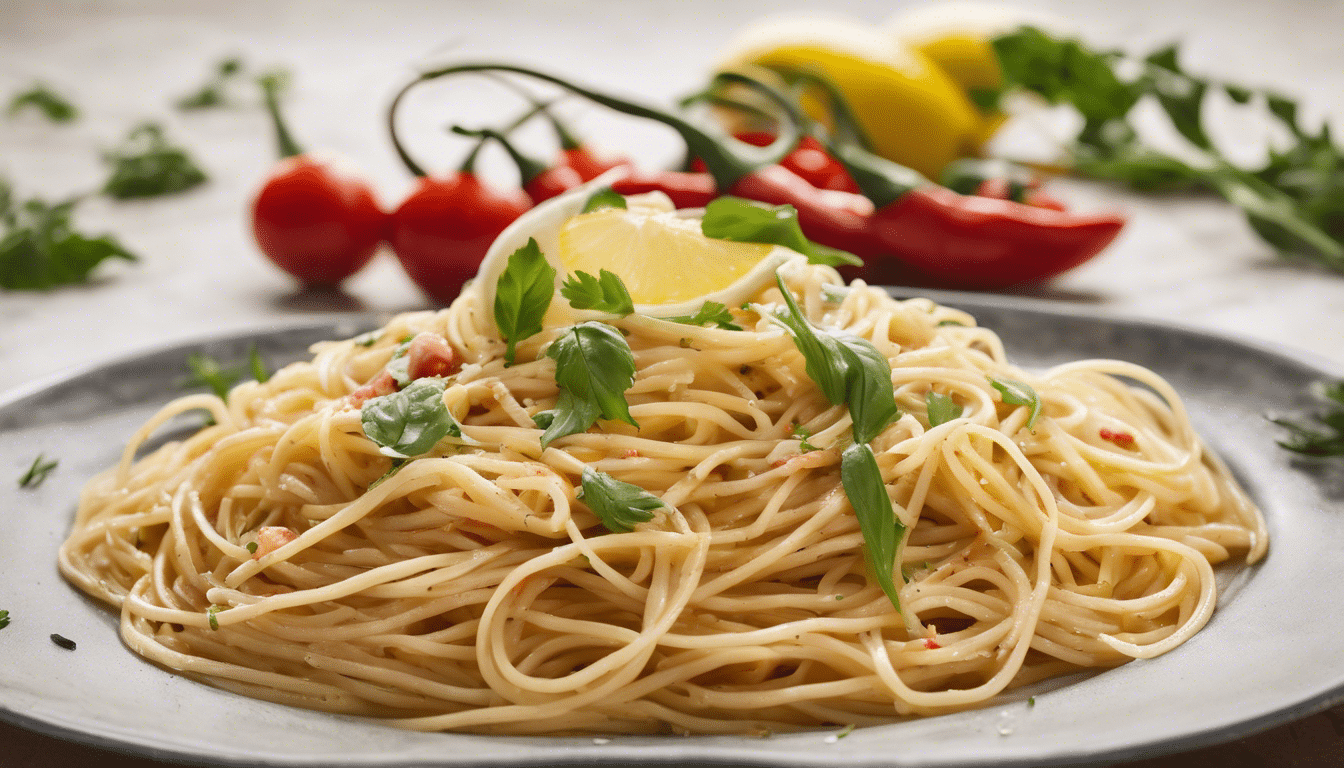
(1187,260)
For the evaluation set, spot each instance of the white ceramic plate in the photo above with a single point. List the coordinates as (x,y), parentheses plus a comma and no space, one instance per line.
(1273,651)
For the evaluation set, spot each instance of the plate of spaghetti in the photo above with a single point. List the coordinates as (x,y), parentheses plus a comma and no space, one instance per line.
(594,514)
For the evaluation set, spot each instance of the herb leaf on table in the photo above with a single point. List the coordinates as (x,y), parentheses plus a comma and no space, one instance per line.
(40,249)
(42,98)
(146,164)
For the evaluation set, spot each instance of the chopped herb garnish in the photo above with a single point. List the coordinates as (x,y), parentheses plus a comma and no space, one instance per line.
(848,729)
(411,421)
(593,368)
(523,295)
(1016,393)
(1031,701)
(41,467)
(397,464)
(63,642)
(941,408)
(257,365)
(206,371)
(40,250)
(747,221)
(252,547)
(4,619)
(212,91)
(51,104)
(604,198)
(1326,436)
(211,614)
(709,312)
(619,505)
(367,339)
(147,165)
(604,293)
(802,433)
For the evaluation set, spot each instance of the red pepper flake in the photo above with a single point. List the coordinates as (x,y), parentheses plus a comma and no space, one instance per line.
(1122,439)
(931,644)
(632,453)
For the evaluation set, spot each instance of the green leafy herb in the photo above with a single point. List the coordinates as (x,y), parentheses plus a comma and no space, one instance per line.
(848,369)
(1326,436)
(709,312)
(593,368)
(409,422)
(4,619)
(746,221)
(1295,202)
(257,365)
(523,295)
(604,198)
(212,614)
(619,505)
(251,547)
(1031,701)
(1016,393)
(882,531)
(604,293)
(206,371)
(41,467)
(52,105)
(40,250)
(63,642)
(212,91)
(147,165)
(802,433)
(942,408)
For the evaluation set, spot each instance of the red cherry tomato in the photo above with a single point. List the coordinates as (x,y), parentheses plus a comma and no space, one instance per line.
(442,230)
(316,221)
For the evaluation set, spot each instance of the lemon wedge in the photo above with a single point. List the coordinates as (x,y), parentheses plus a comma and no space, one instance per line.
(667,263)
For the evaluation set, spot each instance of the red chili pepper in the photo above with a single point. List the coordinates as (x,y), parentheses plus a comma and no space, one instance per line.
(314,218)
(573,153)
(686,189)
(810,160)
(538,181)
(443,228)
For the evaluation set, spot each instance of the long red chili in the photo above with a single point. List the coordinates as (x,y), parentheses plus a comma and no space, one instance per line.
(539,181)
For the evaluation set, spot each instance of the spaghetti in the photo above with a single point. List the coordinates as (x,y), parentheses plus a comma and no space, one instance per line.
(270,554)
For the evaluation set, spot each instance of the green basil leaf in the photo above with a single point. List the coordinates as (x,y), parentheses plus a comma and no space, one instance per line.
(523,295)
(942,408)
(619,505)
(1016,393)
(868,388)
(147,165)
(409,422)
(604,198)
(604,293)
(882,530)
(593,368)
(747,221)
(709,312)
(832,257)
(824,361)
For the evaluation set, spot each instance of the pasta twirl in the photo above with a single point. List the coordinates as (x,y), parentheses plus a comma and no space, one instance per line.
(473,590)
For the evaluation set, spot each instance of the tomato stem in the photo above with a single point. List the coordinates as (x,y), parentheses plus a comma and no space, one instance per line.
(271,85)
(528,168)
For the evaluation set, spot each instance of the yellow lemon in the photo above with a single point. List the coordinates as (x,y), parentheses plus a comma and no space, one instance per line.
(914,113)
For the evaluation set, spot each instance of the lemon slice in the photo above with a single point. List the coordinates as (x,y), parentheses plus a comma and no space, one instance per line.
(663,258)
(665,261)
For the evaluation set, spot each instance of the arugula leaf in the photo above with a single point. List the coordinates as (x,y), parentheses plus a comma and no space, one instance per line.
(211,92)
(206,371)
(593,368)
(709,312)
(40,250)
(523,295)
(147,165)
(1325,440)
(51,104)
(942,408)
(4,619)
(1016,393)
(747,221)
(882,531)
(605,293)
(38,472)
(409,422)
(619,505)
(604,198)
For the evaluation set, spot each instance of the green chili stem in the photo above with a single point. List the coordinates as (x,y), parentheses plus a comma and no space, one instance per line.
(284,140)
(528,168)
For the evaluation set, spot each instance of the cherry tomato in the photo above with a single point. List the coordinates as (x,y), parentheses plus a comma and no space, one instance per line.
(317,222)
(442,230)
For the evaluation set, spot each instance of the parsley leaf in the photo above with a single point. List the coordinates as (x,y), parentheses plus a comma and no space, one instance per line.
(604,198)
(523,295)
(747,221)
(803,434)
(619,505)
(941,408)
(38,472)
(605,293)
(409,422)
(1016,393)
(147,165)
(52,105)
(709,312)
(40,250)
(212,91)
(593,368)
(4,619)
(882,531)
